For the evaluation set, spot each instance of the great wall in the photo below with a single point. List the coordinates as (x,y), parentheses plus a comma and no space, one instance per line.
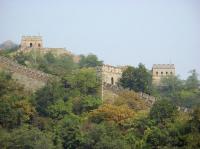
(149,100)
(32,79)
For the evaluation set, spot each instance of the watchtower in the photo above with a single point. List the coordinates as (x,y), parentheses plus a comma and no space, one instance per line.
(109,74)
(31,42)
(162,70)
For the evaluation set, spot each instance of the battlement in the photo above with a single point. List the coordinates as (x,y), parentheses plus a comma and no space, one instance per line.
(109,69)
(31,37)
(163,66)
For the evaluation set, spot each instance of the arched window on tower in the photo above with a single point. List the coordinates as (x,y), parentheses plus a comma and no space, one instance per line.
(156,73)
(112,81)
(31,44)
(39,45)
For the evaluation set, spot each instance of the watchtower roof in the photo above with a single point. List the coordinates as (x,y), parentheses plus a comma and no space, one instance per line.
(163,66)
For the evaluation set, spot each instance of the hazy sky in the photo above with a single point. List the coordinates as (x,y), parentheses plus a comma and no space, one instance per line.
(120,32)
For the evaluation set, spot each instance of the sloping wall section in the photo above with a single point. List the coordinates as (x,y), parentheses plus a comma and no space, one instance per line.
(31,79)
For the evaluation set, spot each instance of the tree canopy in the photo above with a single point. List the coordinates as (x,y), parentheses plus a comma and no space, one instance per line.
(137,79)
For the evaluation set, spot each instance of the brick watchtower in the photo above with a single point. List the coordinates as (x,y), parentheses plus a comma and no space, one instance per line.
(31,42)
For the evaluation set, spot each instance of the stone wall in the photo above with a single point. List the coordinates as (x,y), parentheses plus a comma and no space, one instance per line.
(31,42)
(162,70)
(30,78)
(109,74)
(143,96)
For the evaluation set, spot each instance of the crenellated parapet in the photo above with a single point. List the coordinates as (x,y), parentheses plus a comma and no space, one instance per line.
(110,69)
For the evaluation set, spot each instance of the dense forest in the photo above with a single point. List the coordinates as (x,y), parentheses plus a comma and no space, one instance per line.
(69,113)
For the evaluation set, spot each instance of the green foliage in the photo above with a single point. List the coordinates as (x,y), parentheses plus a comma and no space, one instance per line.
(109,112)
(137,79)
(131,99)
(47,96)
(6,52)
(69,131)
(163,111)
(104,135)
(90,60)
(171,85)
(48,62)
(85,104)
(182,93)
(195,122)
(84,81)
(69,113)
(58,109)
(26,137)
(156,137)
(192,81)
(15,107)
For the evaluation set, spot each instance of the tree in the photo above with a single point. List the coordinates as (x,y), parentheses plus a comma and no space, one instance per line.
(171,85)
(48,62)
(90,60)
(137,79)
(48,96)
(109,112)
(69,130)
(192,81)
(196,119)
(15,106)
(84,81)
(156,138)
(86,104)
(103,136)
(131,99)
(27,137)
(162,111)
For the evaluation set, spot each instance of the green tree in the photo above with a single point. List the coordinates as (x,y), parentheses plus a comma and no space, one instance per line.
(15,106)
(90,60)
(69,131)
(171,85)
(192,81)
(85,104)
(163,111)
(48,96)
(27,137)
(196,119)
(156,138)
(84,81)
(137,79)
(104,135)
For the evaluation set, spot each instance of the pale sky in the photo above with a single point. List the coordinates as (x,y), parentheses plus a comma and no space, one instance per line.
(119,32)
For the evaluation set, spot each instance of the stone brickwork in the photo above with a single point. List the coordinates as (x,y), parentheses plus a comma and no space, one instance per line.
(162,70)
(149,100)
(109,74)
(31,42)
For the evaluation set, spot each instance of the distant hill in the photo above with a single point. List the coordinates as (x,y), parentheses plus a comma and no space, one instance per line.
(8,45)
